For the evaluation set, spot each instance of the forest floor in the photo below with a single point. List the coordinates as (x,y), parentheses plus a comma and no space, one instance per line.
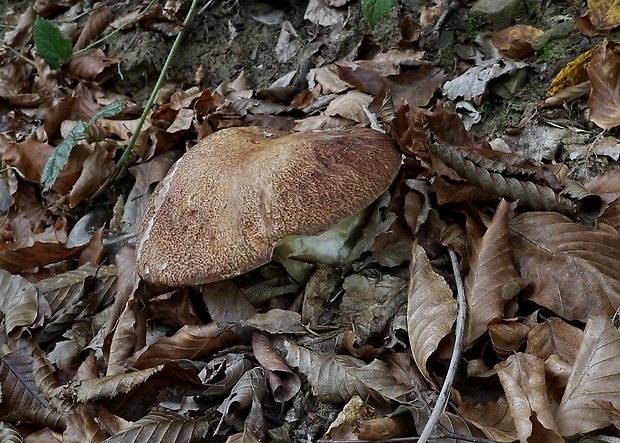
(492,262)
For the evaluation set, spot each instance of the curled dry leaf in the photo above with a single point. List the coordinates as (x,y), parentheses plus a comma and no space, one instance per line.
(492,280)
(550,251)
(493,177)
(191,341)
(594,378)
(283,381)
(604,73)
(554,337)
(249,392)
(523,379)
(431,309)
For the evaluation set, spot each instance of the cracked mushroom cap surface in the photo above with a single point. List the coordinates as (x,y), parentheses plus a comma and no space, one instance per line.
(226,203)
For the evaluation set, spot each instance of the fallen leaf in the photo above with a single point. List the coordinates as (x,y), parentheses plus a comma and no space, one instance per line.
(604,102)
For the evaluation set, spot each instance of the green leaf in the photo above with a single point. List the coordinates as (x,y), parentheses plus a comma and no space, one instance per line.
(51,44)
(375,10)
(110,110)
(60,156)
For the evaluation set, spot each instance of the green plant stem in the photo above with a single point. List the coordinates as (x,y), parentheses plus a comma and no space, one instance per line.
(116,31)
(160,82)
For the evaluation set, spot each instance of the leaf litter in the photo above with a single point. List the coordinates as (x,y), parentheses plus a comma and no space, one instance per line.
(307,351)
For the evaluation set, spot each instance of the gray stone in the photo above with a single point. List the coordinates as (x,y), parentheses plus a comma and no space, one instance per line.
(497,14)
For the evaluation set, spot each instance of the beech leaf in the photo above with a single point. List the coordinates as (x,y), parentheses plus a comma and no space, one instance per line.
(604,102)
(595,378)
(575,270)
(431,309)
(492,280)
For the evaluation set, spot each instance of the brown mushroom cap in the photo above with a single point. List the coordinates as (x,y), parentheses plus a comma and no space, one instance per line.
(225,204)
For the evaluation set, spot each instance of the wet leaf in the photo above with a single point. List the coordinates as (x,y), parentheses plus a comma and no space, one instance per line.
(51,45)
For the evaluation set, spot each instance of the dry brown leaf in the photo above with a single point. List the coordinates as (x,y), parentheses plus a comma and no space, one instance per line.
(19,303)
(575,270)
(249,392)
(122,342)
(350,106)
(431,309)
(29,157)
(604,72)
(21,400)
(92,66)
(516,41)
(415,87)
(494,419)
(163,427)
(554,336)
(492,280)
(191,341)
(8,434)
(523,379)
(277,321)
(602,17)
(363,78)
(507,336)
(98,166)
(82,427)
(97,21)
(594,378)
(283,381)
(337,378)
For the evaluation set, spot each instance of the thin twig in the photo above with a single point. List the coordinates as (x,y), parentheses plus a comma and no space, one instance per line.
(444,395)
(160,82)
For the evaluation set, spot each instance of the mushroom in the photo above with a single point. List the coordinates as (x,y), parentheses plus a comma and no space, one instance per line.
(227,203)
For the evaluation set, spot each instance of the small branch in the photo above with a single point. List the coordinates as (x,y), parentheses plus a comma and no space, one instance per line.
(444,395)
(160,82)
